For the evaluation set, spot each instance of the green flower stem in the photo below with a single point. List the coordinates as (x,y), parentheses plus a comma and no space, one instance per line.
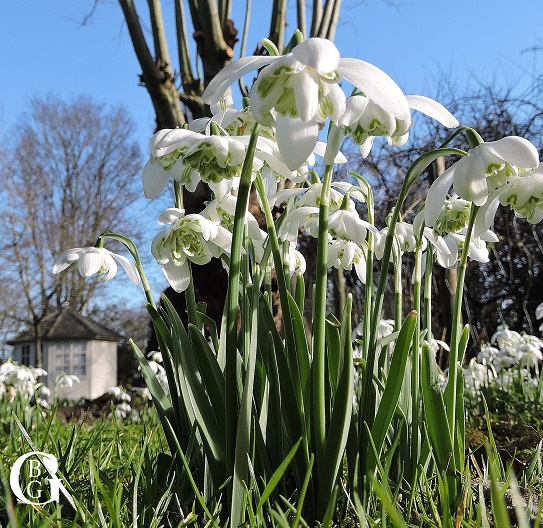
(282,281)
(398,297)
(190,298)
(287,320)
(178,194)
(133,250)
(415,367)
(232,307)
(319,321)
(368,302)
(456,331)
(428,293)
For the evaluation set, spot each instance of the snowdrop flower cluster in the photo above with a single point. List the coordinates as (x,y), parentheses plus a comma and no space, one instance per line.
(476,376)
(293,96)
(121,403)
(449,225)
(505,171)
(524,195)
(21,381)
(508,356)
(155,363)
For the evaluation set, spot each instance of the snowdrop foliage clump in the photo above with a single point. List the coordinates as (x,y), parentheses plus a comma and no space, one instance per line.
(264,383)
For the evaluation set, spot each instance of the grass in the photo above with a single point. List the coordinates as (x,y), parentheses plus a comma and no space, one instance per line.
(120,474)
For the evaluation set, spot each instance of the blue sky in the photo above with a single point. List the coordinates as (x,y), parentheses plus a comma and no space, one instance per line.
(46,48)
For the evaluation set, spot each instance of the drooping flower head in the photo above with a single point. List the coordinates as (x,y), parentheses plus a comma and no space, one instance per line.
(364,120)
(297,91)
(96,260)
(525,195)
(189,238)
(189,157)
(486,168)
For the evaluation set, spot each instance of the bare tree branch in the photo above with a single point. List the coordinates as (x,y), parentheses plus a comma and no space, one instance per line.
(159,34)
(277,23)
(156,75)
(316,17)
(300,17)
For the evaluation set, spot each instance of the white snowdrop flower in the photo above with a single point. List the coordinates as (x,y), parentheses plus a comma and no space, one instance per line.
(364,119)
(120,394)
(96,260)
(525,195)
(506,338)
(155,355)
(385,328)
(65,381)
(189,238)
(222,212)
(486,168)
(299,90)
(344,254)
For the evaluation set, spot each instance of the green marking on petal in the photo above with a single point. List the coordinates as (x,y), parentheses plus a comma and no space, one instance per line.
(265,86)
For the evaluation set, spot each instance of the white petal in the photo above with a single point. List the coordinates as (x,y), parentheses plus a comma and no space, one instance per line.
(234,71)
(318,53)
(207,227)
(285,195)
(66,258)
(296,139)
(486,214)
(432,109)
(170,215)
(376,85)
(355,228)
(223,238)
(398,141)
(178,276)
(167,140)
(354,108)
(92,261)
(539,311)
(111,270)
(128,266)
(437,241)
(516,150)
(221,189)
(306,93)
(448,260)
(154,178)
(488,236)
(365,148)
(478,252)
(261,106)
(470,180)
(360,267)
(437,193)
(333,105)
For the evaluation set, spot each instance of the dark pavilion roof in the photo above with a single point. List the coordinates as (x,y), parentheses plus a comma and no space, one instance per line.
(66,323)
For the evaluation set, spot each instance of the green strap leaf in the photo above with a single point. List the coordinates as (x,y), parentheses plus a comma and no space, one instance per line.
(437,425)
